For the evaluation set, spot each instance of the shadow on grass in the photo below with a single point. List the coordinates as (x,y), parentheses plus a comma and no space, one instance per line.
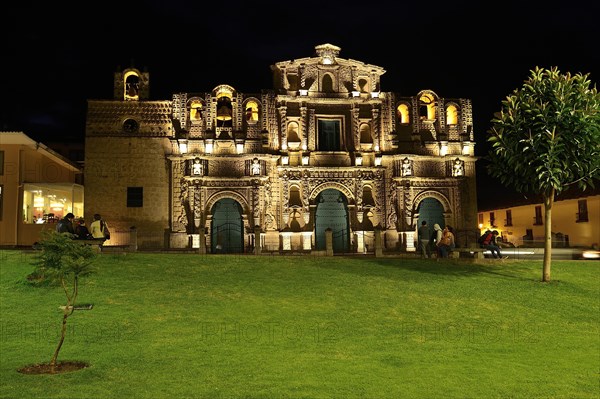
(454,268)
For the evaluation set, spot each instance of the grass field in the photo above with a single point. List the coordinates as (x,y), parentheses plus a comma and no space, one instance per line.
(191,326)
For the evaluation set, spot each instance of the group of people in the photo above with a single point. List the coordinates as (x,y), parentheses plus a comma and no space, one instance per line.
(98,229)
(442,242)
(439,241)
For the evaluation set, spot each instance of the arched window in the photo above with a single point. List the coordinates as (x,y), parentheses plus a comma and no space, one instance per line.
(195,110)
(132,86)
(403,114)
(327,83)
(427,107)
(251,111)
(451,115)
(363,85)
(295,200)
(368,199)
(224,111)
(293,138)
(365,134)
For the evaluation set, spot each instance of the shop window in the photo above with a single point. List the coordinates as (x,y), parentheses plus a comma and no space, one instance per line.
(49,202)
(135,197)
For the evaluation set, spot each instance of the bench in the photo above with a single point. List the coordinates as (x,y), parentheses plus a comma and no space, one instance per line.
(96,243)
(477,252)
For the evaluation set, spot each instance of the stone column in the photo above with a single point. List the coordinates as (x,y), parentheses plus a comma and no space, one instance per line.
(257,247)
(329,242)
(202,239)
(378,249)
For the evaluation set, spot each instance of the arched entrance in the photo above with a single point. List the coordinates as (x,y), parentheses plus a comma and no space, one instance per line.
(227,227)
(332,212)
(431,210)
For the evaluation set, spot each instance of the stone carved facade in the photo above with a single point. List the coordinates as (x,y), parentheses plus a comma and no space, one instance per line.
(265,160)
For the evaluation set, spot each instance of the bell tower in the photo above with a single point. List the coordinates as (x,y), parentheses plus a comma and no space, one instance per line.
(131,85)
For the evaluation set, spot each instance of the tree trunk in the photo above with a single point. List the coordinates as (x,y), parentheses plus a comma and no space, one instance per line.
(63,332)
(548,202)
(68,311)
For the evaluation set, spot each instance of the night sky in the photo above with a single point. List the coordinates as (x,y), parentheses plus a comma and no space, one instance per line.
(55,58)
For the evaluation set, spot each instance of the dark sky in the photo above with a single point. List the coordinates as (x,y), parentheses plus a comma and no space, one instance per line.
(54,58)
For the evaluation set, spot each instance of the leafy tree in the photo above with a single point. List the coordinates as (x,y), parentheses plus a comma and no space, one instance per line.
(546,138)
(65,261)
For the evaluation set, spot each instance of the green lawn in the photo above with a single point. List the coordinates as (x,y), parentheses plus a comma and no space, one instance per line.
(191,326)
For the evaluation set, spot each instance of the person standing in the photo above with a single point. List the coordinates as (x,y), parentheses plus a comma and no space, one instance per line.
(423,234)
(436,237)
(65,225)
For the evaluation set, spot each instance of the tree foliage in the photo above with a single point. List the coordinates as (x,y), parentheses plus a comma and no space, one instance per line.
(546,138)
(64,260)
(547,134)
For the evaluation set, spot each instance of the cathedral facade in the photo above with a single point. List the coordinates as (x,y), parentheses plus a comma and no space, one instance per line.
(325,149)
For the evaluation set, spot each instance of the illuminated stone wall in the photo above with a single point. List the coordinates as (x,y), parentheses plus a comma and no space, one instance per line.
(326,124)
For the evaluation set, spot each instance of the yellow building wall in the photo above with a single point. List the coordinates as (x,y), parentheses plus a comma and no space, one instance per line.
(564,221)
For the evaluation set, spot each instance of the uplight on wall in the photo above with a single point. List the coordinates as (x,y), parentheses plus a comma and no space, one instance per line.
(443,148)
(378,160)
(303,92)
(208,147)
(358,160)
(466,149)
(239,148)
(285,160)
(183,146)
(305,159)
(304,147)
(375,94)
(356,93)
(376,148)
